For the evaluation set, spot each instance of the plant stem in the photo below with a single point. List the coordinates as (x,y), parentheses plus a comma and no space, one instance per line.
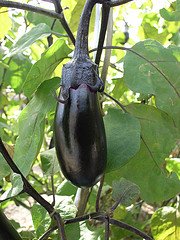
(104,23)
(107,51)
(81,199)
(99,193)
(81,46)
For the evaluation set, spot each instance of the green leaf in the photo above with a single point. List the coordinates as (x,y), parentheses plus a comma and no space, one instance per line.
(17,187)
(150,68)
(38,32)
(37,19)
(66,188)
(43,69)
(49,162)
(125,192)
(41,219)
(31,125)
(165,224)
(173,165)
(123,138)
(119,87)
(147,167)
(90,232)
(65,206)
(171,16)
(6,22)
(15,76)
(73,231)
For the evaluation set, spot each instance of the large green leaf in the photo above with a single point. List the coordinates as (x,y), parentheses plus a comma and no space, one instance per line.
(43,69)
(123,138)
(37,32)
(171,16)
(165,224)
(147,167)
(31,125)
(150,68)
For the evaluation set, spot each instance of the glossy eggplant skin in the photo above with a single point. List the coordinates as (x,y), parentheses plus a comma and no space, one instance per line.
(79,135)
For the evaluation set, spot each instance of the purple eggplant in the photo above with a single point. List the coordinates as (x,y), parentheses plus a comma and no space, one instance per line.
(80,137)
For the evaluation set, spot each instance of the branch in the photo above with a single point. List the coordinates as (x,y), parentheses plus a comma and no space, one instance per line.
(129,228)
(59,10)
(40,10)
(114,3)
(30,8)
(107,51)
(99,193)
(32,192)
(104,23)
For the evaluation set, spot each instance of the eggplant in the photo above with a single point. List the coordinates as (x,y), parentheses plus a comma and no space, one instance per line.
(80,137)
(79,133)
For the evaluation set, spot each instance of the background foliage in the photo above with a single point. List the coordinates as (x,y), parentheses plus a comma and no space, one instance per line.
(143,137)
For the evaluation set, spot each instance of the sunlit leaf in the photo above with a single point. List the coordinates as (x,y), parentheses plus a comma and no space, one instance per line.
(36,33)
(165,224)
(5,21)
(171,16)
(173,165)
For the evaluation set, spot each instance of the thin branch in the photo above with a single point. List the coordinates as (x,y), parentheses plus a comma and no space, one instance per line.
(104,23)
(114,3)
(99,193)
(116,101)
(60,225)
(107,51)
(30,8)
(89,216)
(129,228)
(47,233)
(53,191)
(107,228)
(100,216)
(59,10)
(40,10)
